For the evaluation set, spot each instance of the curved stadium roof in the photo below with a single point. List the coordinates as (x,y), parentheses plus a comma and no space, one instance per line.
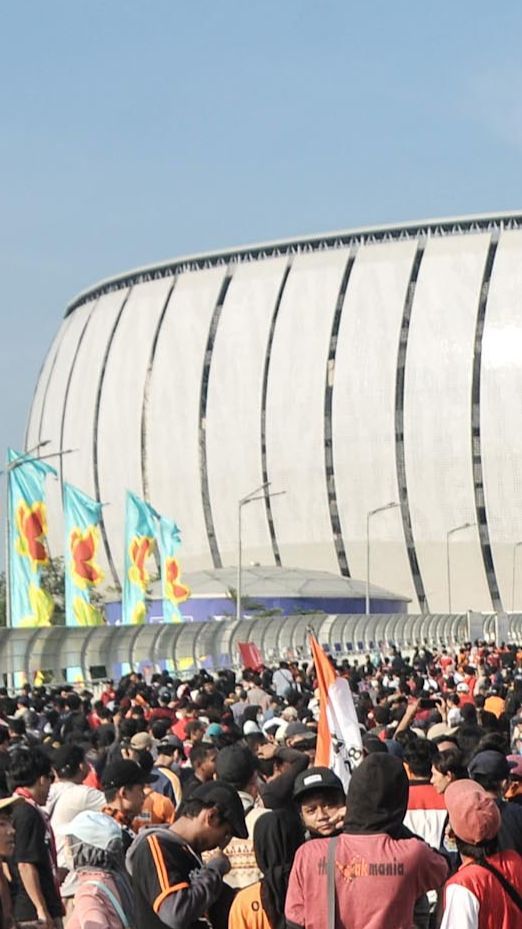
(446,226)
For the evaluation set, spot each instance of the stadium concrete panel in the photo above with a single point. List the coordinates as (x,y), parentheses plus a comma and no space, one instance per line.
(501,416)
(172,411)
(234,407)
(295,410)
(437,440)
(119,459)
(363,415)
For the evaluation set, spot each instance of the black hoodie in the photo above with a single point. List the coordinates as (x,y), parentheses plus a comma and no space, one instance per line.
(377,797)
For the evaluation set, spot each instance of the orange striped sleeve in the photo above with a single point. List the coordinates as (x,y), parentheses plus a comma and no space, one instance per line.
(163,878)
(159,862)
(166,893)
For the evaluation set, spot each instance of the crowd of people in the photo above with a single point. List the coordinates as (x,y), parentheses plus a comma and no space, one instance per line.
(198,804)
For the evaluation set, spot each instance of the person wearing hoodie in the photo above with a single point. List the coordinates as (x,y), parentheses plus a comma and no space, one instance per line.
(375,871)
(103,897)
(277,837)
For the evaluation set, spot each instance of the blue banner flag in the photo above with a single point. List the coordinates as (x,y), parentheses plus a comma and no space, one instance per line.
(140,544)
(28,553)
(173,591)
(82,573)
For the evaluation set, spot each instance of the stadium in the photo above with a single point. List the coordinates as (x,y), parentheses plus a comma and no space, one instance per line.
(351,370)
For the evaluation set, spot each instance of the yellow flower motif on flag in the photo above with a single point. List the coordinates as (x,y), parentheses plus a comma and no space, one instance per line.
(175,591)
(86,614)
(140,548)
(42,606)
(31,522)
(139,614)
(83,544)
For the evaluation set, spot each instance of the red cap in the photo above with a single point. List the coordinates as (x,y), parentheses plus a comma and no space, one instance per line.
(473,814)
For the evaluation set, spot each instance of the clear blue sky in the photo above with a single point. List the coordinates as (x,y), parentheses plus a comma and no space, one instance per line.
(135,131)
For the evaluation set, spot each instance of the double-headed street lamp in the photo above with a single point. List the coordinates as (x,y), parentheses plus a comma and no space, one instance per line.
(253,495)
(379,509)
(449,533)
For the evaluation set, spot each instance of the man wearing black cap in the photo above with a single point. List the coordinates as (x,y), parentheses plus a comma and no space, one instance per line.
(320,796)
(123,783)
(172,886)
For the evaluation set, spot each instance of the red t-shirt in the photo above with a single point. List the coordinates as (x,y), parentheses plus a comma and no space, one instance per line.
(377,881)
(179,728)
(475,899)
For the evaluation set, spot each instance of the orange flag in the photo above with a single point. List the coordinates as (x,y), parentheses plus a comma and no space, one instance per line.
(339,744)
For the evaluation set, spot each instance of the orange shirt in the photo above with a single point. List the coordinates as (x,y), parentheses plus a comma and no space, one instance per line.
(157,810)
(495,704)
(247,910)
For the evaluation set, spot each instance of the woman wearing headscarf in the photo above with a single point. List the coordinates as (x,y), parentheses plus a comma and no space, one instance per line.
(277,836)
(103,897)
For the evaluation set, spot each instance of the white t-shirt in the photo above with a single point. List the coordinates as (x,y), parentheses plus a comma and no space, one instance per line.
(66,800)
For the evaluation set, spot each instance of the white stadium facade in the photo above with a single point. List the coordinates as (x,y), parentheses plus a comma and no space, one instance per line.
(350,370)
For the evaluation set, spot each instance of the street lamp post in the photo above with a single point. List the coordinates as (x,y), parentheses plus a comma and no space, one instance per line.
(516,545)
(379,509)
(249,498)
(11,466)
(449,533)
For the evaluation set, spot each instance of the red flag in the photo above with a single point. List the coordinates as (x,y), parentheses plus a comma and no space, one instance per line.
(250,655)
